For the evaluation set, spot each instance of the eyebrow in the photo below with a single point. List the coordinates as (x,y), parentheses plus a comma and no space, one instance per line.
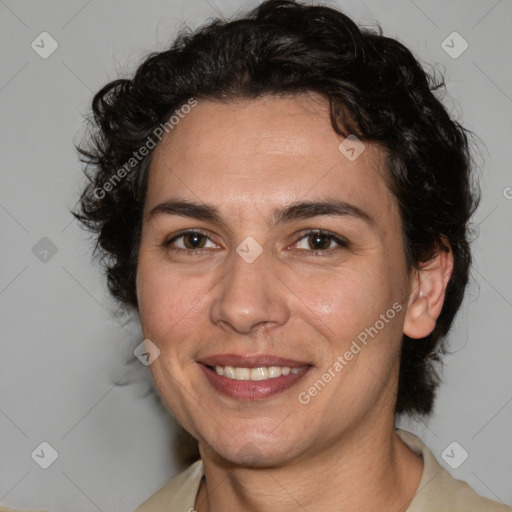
(294,211)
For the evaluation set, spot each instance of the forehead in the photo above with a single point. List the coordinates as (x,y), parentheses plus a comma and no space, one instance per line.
(253,155)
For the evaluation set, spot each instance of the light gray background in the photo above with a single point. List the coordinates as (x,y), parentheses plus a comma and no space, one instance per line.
(65,375)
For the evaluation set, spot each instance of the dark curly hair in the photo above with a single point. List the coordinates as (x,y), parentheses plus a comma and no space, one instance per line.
(376,89)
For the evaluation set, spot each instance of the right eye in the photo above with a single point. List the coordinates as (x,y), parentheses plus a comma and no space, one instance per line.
(188,241)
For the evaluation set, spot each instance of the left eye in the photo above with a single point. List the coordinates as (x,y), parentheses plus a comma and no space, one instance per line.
(319,241)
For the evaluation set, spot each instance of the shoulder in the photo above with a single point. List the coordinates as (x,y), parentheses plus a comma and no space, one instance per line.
(438,491)
(177,494)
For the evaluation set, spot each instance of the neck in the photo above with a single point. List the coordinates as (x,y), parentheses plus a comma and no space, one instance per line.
(367,469)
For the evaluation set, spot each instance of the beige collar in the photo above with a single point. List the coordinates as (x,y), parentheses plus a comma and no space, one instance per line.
(437,491)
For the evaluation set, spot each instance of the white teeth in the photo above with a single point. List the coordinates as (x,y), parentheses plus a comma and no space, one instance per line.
(274,371)
(242,373)
(229,372)
(259,373)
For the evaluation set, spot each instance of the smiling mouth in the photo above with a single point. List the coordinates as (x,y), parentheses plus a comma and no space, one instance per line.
(252,378)
(255,374)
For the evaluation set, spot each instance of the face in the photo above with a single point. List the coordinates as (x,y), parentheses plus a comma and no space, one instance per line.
(269,254)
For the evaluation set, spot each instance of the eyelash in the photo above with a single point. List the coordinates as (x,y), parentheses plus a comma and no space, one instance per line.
(342,243)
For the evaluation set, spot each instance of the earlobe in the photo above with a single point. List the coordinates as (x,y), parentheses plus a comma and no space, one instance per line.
(428,289)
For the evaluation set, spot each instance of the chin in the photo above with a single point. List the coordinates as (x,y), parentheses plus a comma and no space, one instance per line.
(255,451)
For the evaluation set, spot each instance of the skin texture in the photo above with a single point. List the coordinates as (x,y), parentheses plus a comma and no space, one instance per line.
(248,158)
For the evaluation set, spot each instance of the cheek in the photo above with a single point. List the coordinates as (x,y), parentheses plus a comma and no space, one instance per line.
(166,301)
(343,302)
(169,307)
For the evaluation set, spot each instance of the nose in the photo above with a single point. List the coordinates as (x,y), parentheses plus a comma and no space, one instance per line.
(250,297)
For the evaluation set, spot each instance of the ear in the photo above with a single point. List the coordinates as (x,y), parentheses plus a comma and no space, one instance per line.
(427,292)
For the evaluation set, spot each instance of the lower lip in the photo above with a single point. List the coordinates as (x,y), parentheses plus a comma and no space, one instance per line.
(252,389)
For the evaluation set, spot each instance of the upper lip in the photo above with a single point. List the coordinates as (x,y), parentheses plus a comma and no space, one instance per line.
(251,361)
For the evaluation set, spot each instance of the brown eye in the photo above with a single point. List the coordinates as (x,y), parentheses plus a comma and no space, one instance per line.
(194,240)
(319,241)
(190,241)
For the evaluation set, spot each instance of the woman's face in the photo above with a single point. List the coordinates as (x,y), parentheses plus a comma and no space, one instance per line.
(273,296)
